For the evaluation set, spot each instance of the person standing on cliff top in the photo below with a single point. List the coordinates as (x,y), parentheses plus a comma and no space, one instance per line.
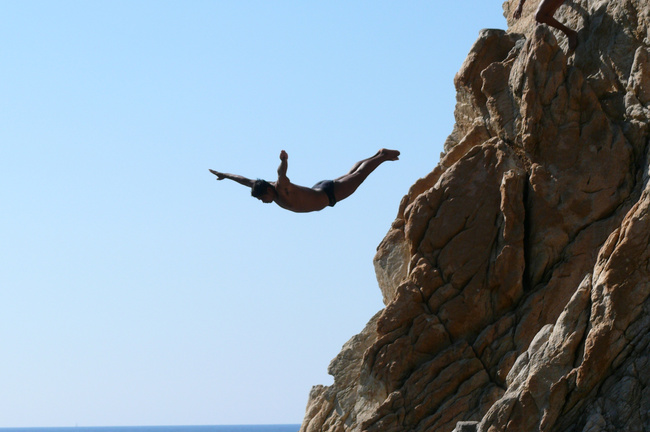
(544,15)
(302,199)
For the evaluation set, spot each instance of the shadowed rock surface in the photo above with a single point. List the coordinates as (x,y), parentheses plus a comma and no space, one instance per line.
(516,276)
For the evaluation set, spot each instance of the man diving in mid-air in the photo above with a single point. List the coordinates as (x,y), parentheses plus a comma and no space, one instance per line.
(303,199)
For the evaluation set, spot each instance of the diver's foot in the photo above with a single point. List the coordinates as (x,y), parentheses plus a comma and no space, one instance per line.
(389,154)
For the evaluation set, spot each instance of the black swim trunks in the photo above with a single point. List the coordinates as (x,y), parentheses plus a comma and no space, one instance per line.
(327,186)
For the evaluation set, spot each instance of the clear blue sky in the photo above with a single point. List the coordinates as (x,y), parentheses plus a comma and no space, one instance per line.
(137,290)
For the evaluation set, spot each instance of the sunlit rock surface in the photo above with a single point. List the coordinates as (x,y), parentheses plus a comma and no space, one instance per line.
(516,276)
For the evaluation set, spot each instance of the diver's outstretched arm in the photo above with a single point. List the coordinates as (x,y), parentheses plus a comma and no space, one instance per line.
(234,177)
(284,165)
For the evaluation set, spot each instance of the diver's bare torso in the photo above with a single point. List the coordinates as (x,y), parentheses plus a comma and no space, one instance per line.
(299,199)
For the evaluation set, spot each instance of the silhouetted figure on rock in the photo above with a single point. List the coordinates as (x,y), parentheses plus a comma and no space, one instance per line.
(544,15)
(303,199)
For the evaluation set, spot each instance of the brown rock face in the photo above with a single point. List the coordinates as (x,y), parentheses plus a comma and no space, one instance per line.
(516,276)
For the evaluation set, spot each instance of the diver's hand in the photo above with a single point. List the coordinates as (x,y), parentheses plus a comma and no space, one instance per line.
(220,176)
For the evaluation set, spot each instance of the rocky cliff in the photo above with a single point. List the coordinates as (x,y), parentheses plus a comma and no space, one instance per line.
(516,276)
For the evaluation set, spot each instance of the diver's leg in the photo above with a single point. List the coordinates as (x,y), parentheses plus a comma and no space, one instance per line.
(345,186)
